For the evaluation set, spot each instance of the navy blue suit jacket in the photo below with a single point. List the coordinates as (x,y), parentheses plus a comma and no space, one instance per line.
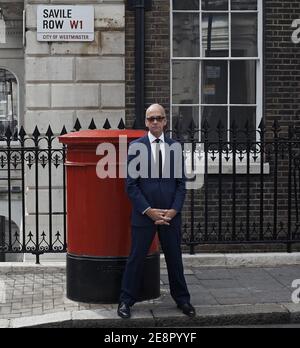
(163,193)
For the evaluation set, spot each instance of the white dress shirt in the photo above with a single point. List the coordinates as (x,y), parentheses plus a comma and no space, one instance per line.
(152,139)
(153,144)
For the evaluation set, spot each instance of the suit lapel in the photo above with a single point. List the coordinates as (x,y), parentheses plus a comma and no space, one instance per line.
(146,141)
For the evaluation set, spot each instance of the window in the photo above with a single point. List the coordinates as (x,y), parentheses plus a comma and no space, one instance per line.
(216,59)
(8,102)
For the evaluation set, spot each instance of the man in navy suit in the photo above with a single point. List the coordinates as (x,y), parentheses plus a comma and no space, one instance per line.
(157,202)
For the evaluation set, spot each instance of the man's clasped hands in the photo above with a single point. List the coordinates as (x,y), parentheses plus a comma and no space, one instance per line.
(161,216)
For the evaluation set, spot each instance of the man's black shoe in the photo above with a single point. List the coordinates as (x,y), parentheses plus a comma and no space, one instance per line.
(187,309)
(124,310)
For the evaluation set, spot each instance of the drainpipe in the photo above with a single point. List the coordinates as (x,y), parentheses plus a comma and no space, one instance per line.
(139,6)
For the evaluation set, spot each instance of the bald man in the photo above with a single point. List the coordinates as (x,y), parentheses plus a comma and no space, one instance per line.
(156,206)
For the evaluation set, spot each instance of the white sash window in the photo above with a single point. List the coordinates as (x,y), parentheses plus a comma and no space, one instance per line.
(216,63)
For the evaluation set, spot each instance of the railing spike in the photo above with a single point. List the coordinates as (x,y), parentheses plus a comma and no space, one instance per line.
(292,131)
(77,125)
(276,126)
(176,123)
(107,124)
(121,124)
(8,133)
(49,132)
(262,125)
(205,125)
(22,132)
(63,131)
(192,124)
(36,133)
(92,125)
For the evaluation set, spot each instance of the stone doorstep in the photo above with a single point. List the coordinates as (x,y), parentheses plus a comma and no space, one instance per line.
(197,260)
(163,317)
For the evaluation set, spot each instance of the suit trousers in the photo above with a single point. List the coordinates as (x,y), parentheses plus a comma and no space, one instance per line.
(170,240)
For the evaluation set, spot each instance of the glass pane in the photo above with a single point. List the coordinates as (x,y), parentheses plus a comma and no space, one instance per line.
(186,82)
(244,35)
(185,4)
(244,4)
(241,115)
(243,82)
(214,87)
(184,117)
(186,42)
(208,5)
(215,35)
(8,101)
(214,115)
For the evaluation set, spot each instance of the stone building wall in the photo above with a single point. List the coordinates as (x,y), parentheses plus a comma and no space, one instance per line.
(69,80)
(83,80)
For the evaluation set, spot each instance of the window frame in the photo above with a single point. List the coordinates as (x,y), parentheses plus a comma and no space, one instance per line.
(259,63)
(18,125)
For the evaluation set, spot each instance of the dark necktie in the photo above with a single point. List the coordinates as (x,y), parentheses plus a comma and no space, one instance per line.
(158,154)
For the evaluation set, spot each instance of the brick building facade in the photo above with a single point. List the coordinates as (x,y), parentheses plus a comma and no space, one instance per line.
(157,57)
(281,70)
(277,98)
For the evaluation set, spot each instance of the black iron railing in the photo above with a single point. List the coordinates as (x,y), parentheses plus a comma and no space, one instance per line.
(34,156)
(244,187)
(250,185)
(33,191)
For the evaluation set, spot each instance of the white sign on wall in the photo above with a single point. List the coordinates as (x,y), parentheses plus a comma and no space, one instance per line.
(296,32)
(65,23)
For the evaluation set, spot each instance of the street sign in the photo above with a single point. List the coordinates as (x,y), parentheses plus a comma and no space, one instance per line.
(65,23)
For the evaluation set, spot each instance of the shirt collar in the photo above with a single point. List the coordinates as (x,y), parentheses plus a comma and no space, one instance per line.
(152,138)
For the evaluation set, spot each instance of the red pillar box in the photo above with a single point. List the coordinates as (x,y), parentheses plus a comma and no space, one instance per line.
(98,220)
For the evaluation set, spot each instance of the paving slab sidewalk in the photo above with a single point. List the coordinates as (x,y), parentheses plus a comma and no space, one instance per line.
(224,293)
